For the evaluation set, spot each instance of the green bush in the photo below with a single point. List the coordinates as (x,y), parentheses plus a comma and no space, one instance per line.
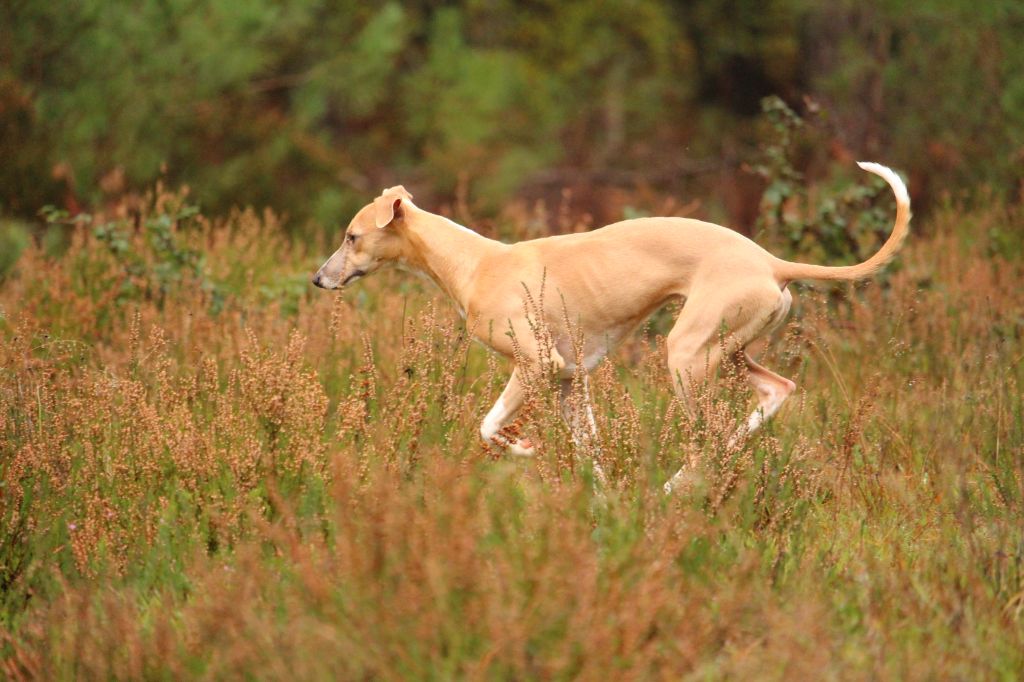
(843,224)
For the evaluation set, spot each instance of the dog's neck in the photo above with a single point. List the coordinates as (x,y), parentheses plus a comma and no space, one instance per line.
(446,252)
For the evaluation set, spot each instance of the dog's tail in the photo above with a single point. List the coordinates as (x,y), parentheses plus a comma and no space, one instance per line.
(786,271)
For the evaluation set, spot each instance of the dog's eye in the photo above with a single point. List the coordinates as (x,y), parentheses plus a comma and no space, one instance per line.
(351,238)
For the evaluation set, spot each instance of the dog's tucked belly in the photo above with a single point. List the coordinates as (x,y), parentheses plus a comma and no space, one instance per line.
(601,327)
(598,345)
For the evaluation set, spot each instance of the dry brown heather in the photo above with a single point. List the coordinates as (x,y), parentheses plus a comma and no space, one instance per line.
(210,469)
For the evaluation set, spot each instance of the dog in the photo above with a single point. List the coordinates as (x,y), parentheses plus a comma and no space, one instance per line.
(607,281)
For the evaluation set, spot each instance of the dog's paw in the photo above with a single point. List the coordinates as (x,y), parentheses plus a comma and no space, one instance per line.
(684,481)
(522,448)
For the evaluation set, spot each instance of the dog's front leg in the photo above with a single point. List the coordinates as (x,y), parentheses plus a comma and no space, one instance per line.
(579,416)
(505,408)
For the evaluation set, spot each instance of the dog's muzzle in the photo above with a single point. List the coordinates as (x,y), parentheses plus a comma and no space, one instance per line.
(327,283)
(354,276)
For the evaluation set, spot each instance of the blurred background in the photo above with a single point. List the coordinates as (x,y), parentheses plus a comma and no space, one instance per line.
(619,108)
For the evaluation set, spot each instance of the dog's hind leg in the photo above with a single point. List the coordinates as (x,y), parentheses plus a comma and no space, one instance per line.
(771,389)
(720,322)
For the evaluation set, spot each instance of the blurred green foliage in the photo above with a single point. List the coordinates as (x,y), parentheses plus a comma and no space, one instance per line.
(844,222)
(312,106)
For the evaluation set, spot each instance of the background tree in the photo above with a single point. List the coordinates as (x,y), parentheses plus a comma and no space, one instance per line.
(310,106)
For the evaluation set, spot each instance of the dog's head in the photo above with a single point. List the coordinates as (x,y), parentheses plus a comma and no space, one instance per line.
(372,239)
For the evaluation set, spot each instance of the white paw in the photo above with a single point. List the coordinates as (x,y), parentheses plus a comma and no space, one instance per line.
(522,448)
(685,480)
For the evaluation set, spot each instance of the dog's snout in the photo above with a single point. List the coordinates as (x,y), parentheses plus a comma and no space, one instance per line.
(317,281)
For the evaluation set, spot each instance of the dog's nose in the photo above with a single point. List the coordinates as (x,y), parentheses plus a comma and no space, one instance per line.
(316,280)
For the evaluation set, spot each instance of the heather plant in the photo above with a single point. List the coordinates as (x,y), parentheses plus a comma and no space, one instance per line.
(291,485)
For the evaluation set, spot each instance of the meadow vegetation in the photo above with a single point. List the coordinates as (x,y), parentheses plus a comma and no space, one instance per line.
(208,468)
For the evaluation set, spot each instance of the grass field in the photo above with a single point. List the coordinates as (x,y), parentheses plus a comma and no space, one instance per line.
(210,469)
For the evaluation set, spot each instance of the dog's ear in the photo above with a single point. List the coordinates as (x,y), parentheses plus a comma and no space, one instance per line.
(386,209)
(388,206)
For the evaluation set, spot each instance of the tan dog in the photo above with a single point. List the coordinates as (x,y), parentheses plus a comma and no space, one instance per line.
(607,282)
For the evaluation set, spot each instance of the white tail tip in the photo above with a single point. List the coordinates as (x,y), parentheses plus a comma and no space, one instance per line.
(890,176)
